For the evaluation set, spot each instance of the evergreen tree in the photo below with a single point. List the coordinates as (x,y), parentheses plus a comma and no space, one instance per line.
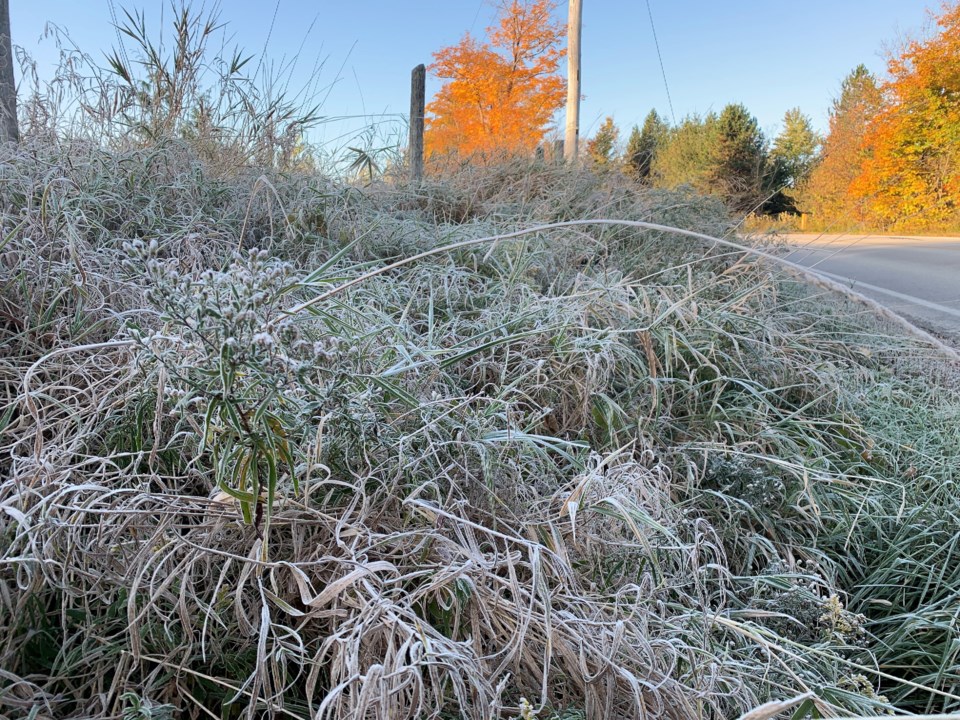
(795,148)
(642,147)
(601,148)
(725,155)
(686,154)
(740,169)
(858,91)
(633,164)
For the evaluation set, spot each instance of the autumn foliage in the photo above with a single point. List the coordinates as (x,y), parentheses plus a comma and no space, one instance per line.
(913,169)
(500,95)
(892,157)
(829,192)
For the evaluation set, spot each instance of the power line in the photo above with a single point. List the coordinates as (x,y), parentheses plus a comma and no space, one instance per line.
(660,58)
(476,15)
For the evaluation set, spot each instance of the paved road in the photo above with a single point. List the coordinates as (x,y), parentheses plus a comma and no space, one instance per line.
(917,277)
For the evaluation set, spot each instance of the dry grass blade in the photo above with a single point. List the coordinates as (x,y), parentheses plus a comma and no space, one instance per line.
(775,707)
(577,462)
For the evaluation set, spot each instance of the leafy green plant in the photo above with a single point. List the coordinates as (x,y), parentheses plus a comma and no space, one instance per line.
(223,357)
(138,708)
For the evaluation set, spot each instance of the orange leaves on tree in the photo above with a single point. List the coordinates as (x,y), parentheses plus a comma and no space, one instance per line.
(911,175)
(499,96)
(892,157)
(828,193)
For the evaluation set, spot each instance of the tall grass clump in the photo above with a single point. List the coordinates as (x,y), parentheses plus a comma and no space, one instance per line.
(276,445)
(181,83)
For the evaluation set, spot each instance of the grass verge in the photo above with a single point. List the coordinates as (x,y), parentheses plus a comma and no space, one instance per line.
(609,470)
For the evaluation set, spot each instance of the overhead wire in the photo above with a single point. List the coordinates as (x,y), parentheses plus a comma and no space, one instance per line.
(476,15)
(663,72)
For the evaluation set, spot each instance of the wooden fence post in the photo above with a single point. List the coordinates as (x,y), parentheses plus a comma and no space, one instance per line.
(9,131)
(418,97)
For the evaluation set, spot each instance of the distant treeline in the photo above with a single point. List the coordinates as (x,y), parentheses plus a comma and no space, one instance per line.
(890,159)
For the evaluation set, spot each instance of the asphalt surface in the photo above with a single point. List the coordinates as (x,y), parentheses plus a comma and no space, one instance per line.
(916,277)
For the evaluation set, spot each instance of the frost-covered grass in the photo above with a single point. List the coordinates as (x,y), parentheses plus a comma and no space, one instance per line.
(617,472)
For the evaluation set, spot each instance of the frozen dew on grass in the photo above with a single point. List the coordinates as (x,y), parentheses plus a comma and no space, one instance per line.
(583,471)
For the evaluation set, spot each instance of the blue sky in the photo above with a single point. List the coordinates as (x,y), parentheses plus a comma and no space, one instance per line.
(770,55)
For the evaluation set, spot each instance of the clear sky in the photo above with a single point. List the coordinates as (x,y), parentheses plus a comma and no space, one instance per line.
(770,55)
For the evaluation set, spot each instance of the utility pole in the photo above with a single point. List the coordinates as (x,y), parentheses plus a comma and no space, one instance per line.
(574,18)
(418,97)
(8,89)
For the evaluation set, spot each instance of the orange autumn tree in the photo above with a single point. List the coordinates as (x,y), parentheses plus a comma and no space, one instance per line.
(911,177)
(827,191)
(500,95)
